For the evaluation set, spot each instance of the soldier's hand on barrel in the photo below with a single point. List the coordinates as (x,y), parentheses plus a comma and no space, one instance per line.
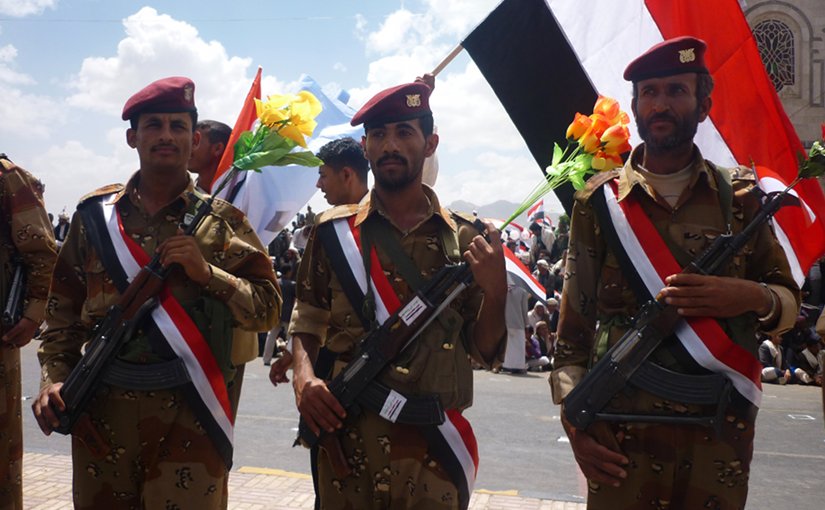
(44,405)
(184,250)
(486,260)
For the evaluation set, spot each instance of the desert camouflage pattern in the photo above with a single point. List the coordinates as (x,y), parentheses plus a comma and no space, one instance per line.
(596,292)
(242,276)
(391,468)
(242,279)
(679,467)
(160,458)
(25,229)
(437,363)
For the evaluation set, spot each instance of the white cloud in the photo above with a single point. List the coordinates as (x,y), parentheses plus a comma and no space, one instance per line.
(19,8)
(340,67)
(71,170)
(156,46)
(23,113)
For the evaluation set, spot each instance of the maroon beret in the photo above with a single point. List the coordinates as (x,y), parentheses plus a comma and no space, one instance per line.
(168,95)
(402,102)
(674,56)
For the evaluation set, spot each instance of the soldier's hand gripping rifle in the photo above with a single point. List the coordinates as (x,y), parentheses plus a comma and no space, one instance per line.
(117,327)
(656,320)
(379,347)
(13,311)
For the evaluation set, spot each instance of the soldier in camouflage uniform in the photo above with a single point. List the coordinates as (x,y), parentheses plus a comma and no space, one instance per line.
(161,455)
(25,231)
(647,466)
(392,463)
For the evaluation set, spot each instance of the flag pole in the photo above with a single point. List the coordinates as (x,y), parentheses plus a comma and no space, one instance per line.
(449,58)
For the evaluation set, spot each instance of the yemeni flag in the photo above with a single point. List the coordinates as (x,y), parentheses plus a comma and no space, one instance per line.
(548,59)
(522,276)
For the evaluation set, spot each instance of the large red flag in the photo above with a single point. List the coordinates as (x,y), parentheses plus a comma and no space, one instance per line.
(246,119)
(546,64)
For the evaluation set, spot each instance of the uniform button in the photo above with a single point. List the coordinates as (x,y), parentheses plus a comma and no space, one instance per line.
(402,370)
(447,346)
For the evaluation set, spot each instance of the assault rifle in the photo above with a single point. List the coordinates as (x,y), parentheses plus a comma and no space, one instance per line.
(117,327)
(655,322)
(13,311)
(354,386)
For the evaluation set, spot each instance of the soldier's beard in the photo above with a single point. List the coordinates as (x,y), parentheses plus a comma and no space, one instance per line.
(682,134)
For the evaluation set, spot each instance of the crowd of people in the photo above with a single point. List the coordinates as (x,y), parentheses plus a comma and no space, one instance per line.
(797,356)
(354,280)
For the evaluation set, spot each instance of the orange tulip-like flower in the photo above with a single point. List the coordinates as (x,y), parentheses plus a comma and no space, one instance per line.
(608,107)
(616,139)
(603,161)
(578,127)
(591,140)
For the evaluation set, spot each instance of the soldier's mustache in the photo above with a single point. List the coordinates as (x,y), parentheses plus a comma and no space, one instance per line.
(397,159)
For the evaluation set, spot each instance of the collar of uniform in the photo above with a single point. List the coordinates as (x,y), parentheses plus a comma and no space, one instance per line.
(130,190)
(630,177)
(370,204)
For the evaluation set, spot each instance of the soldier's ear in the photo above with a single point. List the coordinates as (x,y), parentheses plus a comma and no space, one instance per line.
(130,137)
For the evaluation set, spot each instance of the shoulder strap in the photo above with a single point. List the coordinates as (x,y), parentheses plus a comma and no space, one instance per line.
(376,229)
(723,182)
(335,255)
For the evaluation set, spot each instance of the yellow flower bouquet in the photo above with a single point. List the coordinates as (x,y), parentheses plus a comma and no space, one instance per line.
(283,123)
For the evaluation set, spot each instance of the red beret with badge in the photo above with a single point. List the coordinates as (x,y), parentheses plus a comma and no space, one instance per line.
(396,104)
(674,56)
(168,95)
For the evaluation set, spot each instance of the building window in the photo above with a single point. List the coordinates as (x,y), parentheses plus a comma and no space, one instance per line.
(776,47)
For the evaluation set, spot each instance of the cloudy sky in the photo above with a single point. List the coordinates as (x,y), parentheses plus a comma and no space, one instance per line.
(67,67)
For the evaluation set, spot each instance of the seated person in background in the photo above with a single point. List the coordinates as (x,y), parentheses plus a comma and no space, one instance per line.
(805,365)
(535,360)
(770,356)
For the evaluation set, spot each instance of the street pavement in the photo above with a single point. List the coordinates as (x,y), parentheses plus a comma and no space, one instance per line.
(525,460)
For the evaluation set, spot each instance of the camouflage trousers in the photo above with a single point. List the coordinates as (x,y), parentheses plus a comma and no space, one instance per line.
(391,469)
(11,431)
(674,467)
(161,458)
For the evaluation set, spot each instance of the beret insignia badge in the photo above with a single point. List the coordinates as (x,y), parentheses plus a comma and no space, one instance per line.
(188,92)
(413,100)
(686,56)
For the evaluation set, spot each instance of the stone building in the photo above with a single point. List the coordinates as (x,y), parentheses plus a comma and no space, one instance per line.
(791,39)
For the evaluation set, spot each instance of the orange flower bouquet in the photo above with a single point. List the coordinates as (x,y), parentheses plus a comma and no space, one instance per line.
(595,143)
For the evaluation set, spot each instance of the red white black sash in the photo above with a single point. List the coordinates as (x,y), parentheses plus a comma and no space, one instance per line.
(453,442)
(702,337)
(123,258)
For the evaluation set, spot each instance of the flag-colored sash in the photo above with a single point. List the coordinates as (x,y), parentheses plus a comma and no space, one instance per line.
(168,323)
(702,337)
(453,442)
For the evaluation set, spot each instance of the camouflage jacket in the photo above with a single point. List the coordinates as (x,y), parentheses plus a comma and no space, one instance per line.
(437,363)
(25,229)
(242,276)
(596,291)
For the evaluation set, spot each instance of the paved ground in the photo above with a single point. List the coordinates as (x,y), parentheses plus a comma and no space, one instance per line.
(526,462)
(48,486)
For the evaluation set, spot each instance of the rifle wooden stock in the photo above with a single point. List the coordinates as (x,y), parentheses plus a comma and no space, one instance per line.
(119,325)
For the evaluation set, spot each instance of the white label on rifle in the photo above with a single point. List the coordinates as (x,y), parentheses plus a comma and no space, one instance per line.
(412,310)
(393,405)
(187,219)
